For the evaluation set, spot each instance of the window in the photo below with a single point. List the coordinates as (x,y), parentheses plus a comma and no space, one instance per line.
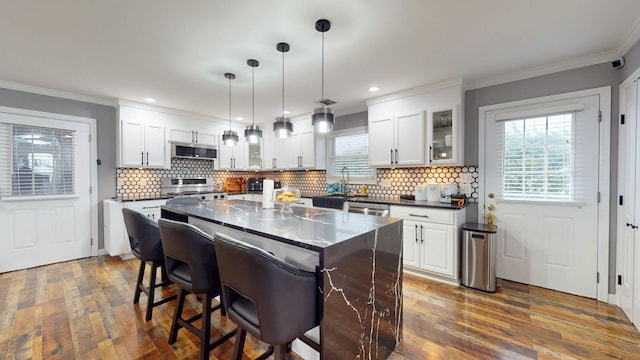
(350,149)
(41,161)
(538,158)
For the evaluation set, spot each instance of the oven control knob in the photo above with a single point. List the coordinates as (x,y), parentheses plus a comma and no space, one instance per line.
(203,198)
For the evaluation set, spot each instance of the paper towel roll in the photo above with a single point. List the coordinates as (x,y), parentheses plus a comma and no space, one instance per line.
(267,194)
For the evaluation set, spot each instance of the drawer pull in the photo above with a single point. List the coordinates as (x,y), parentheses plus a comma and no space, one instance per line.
(418,215)
(151,207)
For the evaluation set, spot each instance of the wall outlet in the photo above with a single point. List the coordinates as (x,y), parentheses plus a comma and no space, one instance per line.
(466,189)
(464,177)
(385,183)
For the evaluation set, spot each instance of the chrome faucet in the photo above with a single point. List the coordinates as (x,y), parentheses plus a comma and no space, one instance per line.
(348,180)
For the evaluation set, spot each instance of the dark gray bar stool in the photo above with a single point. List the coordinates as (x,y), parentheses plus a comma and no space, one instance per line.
(272,300)
(144,239)
(191,264)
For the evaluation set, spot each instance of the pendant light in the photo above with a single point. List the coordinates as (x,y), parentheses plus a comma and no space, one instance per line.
(252,133)
(322,118)
(282,127)
(230,137)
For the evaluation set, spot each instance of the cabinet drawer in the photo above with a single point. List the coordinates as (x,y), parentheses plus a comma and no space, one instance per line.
(424,214)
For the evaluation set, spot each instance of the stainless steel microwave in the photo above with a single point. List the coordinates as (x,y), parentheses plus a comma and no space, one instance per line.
(193,151)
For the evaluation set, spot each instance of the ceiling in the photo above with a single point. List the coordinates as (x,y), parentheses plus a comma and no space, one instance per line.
(177,52)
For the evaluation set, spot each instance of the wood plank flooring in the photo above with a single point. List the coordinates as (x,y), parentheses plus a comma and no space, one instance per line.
(83,310)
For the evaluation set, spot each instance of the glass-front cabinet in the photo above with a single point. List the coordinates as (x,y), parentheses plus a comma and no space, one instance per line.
(444,145)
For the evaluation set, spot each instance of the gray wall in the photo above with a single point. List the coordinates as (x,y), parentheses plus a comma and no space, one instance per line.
(632,61)
(351,121)
(566,81)
(106,136)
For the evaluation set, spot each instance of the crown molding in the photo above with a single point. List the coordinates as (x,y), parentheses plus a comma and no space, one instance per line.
(543,70)
(416,91)
(56,93)
(630,38)
(171,111)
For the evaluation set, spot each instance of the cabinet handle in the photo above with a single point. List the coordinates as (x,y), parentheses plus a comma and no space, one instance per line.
(416,232)
(421,233)
(396,156)
(196,137)
(430,153)
(391,156)
(142,158)
(147,158)
(192,136)
(150,207)
(418,215)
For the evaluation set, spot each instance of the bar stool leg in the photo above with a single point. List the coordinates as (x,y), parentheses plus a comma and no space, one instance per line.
(152,289)
(173,334)
(205,332)
(240,336)
(136,294)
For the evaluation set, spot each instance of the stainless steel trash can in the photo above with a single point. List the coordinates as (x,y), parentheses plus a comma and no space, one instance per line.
(478,257)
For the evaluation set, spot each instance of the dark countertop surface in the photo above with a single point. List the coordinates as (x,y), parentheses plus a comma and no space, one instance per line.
(309,228)
(392,200)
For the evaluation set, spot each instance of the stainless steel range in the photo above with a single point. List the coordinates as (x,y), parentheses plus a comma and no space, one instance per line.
(202,188)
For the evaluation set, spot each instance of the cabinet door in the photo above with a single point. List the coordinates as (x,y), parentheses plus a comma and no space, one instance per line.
(410,243)
(254,156)
(410,139)
(268,153)
(225,156)
(155,145)
(308,150)
(180,135)
(292,155)
(443,140)
(132,143)
(437,249)
(381,141)
(204,138)
(241,154)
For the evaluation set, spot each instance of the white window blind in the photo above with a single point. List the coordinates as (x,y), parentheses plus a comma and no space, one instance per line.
(350,149)
(41,161)
(537,158)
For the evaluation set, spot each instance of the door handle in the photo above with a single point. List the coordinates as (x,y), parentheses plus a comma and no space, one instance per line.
(628,224)
(418,215)
(142,158)
(430,154)
(196,137)
(193,136)
(396,156)
(421,233)
(391,156)
(416,232)
(147,158)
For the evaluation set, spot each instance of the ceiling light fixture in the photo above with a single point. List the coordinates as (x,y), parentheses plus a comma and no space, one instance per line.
(322,118)
(373,89)
(230,137)
(149,99)
(252,132)
(282,127)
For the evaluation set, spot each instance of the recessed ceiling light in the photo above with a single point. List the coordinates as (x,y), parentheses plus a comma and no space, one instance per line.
(149,99)
(239,118)
(373,89)
(285,112)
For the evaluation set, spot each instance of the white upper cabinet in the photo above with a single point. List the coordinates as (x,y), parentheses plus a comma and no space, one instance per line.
(141,143)
(406,129)
(303,150)
(233,157)
(397,140)
(192,136)
(274,153)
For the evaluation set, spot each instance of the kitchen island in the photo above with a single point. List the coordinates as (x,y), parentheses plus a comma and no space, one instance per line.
(358,259)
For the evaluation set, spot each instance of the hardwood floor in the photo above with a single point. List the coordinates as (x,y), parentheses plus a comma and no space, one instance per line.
(83,309)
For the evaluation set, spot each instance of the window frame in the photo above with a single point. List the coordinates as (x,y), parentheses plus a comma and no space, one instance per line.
(353,179)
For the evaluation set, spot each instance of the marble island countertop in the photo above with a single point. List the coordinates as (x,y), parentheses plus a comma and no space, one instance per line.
(309,228)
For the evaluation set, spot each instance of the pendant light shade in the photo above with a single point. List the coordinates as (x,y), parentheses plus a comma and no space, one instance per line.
(282,127)
(322,118)
(252,133)
(229,137)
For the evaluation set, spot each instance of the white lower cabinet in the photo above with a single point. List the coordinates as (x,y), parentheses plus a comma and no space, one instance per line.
(116,239)
(250,197)
(431,241)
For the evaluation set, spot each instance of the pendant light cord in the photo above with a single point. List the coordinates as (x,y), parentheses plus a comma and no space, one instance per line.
(229,104)
(322,99)
(253,97)
(283,85)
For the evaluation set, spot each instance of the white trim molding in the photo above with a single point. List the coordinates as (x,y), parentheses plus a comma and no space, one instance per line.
(57,93)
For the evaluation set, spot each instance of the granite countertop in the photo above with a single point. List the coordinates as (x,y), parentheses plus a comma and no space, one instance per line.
(392,200)
(308,228)
(141,197)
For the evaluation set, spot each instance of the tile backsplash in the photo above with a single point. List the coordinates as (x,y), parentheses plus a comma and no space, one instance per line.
(131,182)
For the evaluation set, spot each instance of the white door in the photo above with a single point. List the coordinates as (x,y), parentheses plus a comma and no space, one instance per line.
(410,139)
(627,179)
(53,223)
(545,183)
(381,141)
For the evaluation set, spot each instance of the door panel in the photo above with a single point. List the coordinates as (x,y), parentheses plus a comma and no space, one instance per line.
(47,229)
(550,243)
